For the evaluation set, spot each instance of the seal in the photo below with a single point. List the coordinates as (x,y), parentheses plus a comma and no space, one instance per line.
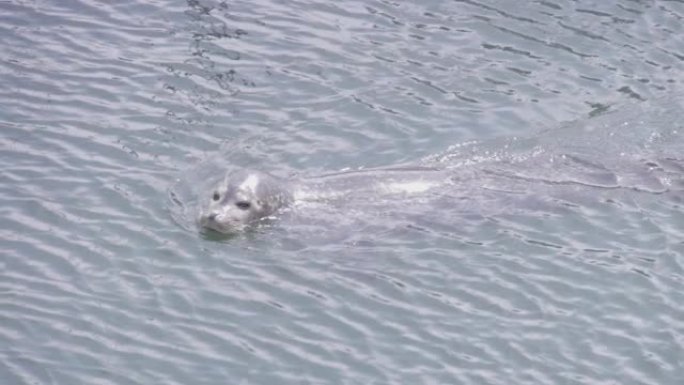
(243,198)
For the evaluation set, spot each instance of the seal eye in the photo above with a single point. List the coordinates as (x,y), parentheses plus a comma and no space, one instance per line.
(216,196)
(243,205)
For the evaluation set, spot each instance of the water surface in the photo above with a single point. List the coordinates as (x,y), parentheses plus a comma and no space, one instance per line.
(565,267)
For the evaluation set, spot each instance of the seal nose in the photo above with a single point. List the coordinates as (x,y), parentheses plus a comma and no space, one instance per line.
(212,216)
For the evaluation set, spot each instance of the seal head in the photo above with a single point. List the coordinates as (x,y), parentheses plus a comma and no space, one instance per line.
(243,198)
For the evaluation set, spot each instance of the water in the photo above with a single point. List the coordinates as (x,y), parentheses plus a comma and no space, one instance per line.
(555,256)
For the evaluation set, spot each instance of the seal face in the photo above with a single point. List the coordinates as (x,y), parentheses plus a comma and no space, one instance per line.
(243,198)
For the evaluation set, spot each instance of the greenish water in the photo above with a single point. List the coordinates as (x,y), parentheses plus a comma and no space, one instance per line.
(550,252)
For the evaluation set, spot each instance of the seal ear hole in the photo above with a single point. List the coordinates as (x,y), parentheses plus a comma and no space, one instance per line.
(243,205)
(216,196)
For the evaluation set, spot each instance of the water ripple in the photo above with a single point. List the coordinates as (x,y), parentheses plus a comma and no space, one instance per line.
(552,257)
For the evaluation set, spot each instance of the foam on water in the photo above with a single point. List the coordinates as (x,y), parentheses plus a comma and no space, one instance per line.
(408,187)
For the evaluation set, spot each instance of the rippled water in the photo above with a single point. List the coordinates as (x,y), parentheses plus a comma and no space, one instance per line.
(553,252)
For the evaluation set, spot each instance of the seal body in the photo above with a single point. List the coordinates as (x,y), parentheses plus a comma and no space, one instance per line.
(243,198)
(246,197)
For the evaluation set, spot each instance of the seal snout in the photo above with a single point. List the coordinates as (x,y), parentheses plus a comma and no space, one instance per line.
(217,218)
